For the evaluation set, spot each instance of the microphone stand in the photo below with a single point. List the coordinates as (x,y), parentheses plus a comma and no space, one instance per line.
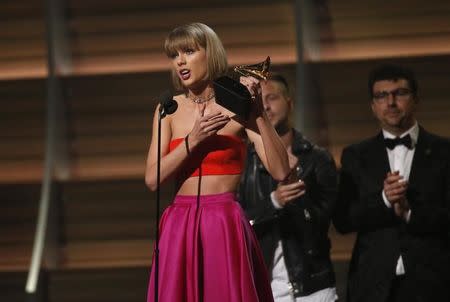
(167,106)
(161,115)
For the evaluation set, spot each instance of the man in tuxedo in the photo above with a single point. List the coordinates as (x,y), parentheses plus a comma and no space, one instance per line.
(395,193)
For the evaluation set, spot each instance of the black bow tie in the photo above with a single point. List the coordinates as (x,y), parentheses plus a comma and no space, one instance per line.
(392,142)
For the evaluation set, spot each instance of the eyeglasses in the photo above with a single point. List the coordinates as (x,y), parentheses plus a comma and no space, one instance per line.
(397,94)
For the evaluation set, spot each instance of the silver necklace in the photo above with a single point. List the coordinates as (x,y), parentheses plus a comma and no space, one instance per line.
(199,100)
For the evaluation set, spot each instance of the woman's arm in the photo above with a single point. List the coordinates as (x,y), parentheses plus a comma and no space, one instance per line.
(269,147)
(268,144)
(204,126)
(170,162)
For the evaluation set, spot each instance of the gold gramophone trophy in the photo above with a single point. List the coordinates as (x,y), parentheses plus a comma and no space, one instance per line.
(259,71)
(234,96)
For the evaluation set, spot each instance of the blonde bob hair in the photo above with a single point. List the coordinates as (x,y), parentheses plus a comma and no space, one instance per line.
(194,36)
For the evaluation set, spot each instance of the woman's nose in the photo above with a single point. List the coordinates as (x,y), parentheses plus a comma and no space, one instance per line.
(181,60)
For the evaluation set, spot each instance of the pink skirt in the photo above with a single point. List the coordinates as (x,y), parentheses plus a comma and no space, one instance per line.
(208,253)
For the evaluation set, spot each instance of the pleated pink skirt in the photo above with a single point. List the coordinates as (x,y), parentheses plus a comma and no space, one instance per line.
(208,253)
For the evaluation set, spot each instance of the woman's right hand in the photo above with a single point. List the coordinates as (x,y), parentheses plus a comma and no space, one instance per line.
(206,125)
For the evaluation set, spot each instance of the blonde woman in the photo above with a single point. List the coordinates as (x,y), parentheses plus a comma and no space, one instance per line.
(207,249)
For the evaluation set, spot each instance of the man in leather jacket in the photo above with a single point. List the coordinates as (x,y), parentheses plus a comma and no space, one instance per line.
(291,219)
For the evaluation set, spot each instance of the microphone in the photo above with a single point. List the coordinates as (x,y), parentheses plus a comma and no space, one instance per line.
(167,105)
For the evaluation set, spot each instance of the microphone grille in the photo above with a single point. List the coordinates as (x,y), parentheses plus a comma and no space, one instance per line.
(165,96)
(168,103)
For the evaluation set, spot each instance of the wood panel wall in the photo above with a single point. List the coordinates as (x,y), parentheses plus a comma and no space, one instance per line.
(19,203)
(22,130)
(22,39)
(120,37)
(118,70)
(359,30)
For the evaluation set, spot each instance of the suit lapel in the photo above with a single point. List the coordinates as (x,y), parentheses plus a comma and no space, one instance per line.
(377,160)
(421,155)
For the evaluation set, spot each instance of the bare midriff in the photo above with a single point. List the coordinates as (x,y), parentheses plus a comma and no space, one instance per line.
(209,184)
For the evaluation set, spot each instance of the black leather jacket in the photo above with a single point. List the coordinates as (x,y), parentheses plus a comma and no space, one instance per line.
(302,225)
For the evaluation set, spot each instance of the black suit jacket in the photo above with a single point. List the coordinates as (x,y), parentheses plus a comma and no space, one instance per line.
(381,236)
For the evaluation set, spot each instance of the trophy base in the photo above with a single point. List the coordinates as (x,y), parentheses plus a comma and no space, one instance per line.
(233,96)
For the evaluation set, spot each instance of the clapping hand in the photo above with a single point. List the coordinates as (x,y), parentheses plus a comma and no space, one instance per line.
(395,190)
(286,193)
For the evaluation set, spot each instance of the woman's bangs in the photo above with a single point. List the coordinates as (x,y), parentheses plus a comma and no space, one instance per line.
(177,42)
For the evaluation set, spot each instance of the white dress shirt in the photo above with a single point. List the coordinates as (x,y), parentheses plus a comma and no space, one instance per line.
(400,159)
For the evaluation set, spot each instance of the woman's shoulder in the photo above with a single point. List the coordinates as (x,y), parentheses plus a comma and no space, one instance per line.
(182,118)
(181,102)
(180,97)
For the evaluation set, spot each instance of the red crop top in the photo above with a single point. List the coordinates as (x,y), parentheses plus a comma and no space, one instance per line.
(217,155)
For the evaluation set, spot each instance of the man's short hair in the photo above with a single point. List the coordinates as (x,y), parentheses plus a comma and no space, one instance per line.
(280,79)
(392,72)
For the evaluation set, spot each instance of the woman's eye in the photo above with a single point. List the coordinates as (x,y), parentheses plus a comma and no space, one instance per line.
(189,51)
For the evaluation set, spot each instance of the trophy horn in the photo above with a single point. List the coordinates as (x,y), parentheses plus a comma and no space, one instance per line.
(259,70)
